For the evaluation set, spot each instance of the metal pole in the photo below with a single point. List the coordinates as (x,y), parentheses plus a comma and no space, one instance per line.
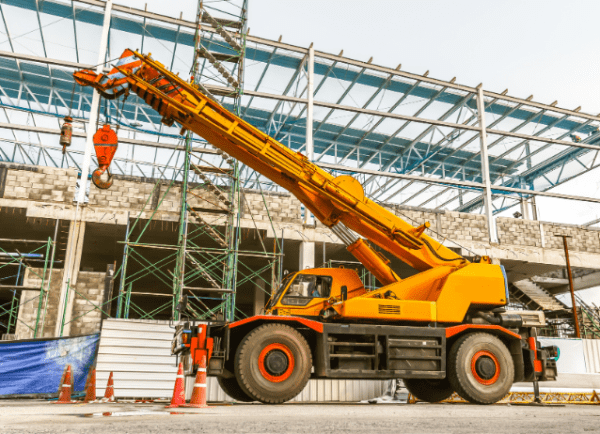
(575,319)
(281,257)
(485,168)
(64,312)
(310,150)
(310,67)
(179,272)
(128,300)
(123,269)
(94,110)
(41,301)
(50,274)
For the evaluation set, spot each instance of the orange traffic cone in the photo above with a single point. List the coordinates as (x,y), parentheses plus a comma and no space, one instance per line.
(65,388)
(199,394)
(109,393)
(178,390)
(90,388)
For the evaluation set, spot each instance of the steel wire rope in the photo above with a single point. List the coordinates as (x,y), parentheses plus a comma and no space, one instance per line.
(44,26)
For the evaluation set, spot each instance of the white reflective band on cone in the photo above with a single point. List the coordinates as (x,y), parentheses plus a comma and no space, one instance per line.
(202,369)
(199,385)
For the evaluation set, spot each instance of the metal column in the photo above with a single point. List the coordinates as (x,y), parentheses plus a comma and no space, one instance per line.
(485,168)
(75,237)
(309,219)
(310,67)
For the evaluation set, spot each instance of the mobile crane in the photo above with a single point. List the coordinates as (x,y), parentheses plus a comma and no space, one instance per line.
(442,330)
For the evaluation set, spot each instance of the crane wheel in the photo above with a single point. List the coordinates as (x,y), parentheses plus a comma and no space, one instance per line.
(273,363)
(429,390)
(480,368)
(231,387)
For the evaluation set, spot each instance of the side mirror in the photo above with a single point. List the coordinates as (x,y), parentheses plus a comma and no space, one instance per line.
(344,293)
(182,305)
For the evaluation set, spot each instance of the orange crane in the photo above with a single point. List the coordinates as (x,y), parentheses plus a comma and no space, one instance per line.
(442,330)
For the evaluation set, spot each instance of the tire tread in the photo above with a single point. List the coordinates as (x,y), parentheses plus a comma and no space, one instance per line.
(458,382)
(245,346)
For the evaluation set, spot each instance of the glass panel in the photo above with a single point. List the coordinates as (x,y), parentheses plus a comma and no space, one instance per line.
(306,285)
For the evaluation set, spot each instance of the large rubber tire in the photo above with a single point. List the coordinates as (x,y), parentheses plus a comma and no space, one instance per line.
(429,390)
(480,368)
(233,389)
(273,363)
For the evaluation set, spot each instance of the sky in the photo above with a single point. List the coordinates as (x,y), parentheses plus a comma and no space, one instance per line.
(542,48)
(545,48)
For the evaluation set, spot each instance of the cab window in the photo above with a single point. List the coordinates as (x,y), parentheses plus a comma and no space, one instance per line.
(305,287)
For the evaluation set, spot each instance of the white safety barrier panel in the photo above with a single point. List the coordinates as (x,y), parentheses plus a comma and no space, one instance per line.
(139,354)
(591,350)
(572,358)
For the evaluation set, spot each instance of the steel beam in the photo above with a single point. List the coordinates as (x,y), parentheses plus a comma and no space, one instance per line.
(485,169)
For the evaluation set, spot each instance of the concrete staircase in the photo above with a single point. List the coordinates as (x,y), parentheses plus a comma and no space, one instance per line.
(536,297)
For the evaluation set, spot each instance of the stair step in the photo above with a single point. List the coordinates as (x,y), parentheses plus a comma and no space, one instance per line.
(538,295)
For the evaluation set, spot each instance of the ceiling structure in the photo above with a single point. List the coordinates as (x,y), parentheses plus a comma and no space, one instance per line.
(410,139)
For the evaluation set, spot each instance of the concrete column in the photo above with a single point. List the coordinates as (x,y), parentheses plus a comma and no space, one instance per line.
(259,295)
(485,168)
(525,209)
(534,210)
(69,278)
(307,255)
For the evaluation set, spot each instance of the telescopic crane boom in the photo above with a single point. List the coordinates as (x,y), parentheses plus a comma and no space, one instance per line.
(338,202)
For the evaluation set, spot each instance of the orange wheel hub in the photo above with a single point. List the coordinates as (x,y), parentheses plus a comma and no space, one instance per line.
(276,362)
(485,367)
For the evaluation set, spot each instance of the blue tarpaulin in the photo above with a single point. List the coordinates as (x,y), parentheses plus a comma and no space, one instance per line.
(36,366)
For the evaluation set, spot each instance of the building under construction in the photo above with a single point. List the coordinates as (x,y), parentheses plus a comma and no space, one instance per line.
(180,217)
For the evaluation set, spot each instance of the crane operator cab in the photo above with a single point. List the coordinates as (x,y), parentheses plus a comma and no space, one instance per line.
(308,292)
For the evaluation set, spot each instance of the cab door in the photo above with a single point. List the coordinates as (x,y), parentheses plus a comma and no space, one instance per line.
(306,295)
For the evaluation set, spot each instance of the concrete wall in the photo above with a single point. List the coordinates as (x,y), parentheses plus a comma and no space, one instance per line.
(519,232)
(38,183)
(49,185)
(282,207)
(89,293)
(28,305)
(582,239)
(124,194)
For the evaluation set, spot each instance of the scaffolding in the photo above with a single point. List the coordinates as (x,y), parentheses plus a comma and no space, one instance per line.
(202,258)
(40,257)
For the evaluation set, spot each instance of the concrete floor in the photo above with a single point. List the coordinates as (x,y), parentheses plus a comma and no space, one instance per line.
(29,416)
